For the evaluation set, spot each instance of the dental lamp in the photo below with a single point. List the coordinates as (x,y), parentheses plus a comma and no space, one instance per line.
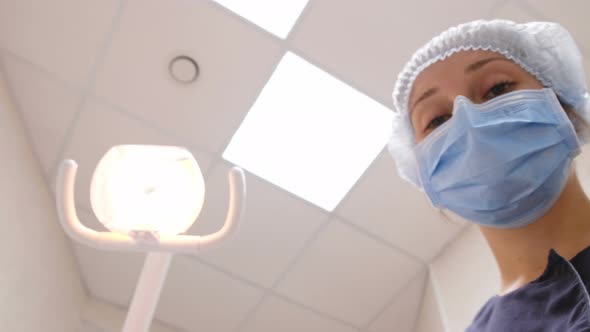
(146,196)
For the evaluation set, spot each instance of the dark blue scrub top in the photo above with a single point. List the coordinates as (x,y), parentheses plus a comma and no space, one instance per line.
(557,301)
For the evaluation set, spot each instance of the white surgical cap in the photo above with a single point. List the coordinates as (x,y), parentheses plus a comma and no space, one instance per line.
(544,49)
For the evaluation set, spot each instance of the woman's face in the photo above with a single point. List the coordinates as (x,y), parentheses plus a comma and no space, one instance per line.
(477,75)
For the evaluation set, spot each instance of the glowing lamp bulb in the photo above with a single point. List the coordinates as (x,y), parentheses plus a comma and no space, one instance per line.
(147,188)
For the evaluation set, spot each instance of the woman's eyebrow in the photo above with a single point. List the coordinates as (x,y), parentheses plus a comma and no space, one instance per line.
(425,95)
(480,63)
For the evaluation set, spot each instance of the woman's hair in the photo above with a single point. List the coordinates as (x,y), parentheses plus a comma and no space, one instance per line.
(581,125)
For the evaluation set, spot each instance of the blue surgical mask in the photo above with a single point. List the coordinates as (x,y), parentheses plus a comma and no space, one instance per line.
(502,163)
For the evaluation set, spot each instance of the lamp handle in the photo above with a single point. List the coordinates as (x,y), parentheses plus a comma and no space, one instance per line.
(164,243)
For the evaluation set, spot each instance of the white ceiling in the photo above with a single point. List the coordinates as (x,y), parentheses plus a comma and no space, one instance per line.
(91,74)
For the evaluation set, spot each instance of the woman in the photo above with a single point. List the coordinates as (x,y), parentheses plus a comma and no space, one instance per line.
(490,115)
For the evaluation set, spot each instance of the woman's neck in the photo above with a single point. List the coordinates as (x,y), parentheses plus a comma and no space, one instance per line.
(521,253)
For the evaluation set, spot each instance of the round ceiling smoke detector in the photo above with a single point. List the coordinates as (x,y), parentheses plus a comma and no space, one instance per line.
(184,69)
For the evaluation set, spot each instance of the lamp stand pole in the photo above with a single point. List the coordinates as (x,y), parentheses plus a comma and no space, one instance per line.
(145,299)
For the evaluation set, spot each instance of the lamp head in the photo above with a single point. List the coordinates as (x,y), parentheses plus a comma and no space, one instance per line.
(147,188)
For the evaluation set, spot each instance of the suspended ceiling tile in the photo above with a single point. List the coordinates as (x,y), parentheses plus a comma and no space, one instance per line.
(345,274)
(197,298)
(234,58)
(64,36)
(275,227)
(109,275)
(99,128)
(368,44)
(402,313)
(393,209)
(276,314)
(513,11)
(47,106)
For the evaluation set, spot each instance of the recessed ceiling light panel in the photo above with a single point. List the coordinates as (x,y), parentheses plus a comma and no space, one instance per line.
(310,133)
(277,17)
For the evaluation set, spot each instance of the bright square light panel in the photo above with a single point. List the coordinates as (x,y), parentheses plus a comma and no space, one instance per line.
(310,133)
(275,16)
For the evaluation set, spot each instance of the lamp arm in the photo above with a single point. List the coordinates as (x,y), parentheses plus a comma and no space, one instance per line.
(69,219)
(165,243)
(237,194)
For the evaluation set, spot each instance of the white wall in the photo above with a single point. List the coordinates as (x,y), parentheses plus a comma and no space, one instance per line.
(429,319)
(464,276)
(40,287)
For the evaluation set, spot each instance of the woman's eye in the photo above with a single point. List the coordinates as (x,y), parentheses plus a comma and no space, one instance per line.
(437,121)
(498,89)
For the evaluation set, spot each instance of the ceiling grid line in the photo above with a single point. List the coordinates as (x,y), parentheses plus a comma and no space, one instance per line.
(240,18)
(90,82)
(264,32)
(439,303)
(422,301)
(251,312)
(302,54)
(458,234)
(289,268)
(227,273)
(393,298)
(285,46)
(317,312)
(215,162)
(41,70)
(267,291)
(221,161)
(102,101)
(301,251)
(356,184)
(350,82)
(228,139)
(304,13)
(380,240)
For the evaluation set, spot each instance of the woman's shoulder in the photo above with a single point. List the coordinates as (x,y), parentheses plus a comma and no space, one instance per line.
(556,301)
